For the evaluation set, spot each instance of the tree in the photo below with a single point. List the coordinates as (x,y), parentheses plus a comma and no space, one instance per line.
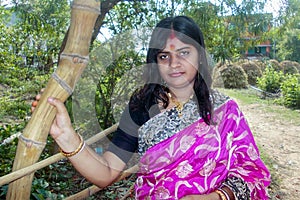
(286,34)
(289,46)
(289,15)
(226,23)
(35,35)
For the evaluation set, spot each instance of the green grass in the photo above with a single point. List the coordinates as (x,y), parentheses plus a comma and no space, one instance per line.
(245,96)
(250,96)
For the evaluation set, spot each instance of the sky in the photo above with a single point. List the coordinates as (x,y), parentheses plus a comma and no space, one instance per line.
(274,6)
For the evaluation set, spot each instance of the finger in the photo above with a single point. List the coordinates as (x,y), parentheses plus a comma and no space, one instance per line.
(61,109)
(33,105)
(38,97)
(55,131)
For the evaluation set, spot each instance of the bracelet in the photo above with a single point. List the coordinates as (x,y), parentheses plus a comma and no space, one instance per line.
(224,192)
(76,151)
(221,194)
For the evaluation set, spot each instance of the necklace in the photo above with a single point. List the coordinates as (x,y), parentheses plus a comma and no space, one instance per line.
(179,105)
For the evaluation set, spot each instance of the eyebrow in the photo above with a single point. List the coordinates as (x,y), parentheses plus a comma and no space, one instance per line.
(180,49)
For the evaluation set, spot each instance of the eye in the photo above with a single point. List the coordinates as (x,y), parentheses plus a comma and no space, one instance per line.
(184,53)
(163,56)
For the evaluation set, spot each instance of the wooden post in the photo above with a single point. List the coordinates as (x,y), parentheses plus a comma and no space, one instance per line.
(73,61)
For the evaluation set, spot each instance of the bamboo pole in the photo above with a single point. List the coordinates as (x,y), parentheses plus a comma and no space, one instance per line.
(52,159)
(30,169)
(73,61)
(39,165)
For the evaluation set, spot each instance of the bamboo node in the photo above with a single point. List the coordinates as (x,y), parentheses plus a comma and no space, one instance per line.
(86,7)
(29,143)
(75,58)
(62,83)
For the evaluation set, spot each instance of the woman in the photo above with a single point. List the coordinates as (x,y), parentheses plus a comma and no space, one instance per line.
(193,142)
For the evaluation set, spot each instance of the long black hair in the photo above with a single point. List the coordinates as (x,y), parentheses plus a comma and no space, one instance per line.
(187,31)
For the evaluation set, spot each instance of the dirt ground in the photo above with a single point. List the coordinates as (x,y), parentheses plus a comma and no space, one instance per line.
(279,139)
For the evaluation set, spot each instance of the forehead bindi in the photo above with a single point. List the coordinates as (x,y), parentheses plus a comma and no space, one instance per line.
(174,44)
(172,47)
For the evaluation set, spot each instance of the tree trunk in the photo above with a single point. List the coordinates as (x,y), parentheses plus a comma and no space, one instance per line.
(73,61)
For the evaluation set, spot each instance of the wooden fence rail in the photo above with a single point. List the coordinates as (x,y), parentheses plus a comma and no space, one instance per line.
(55,158)
(48,161)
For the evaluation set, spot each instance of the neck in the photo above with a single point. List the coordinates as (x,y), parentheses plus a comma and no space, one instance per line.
(182,94)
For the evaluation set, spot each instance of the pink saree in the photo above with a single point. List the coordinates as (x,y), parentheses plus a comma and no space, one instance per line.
(199,158)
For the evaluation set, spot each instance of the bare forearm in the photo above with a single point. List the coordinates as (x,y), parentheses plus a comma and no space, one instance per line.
(100,170)
(97,169)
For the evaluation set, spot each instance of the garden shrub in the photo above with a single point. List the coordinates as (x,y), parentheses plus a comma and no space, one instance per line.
(241,61)
(252,71)
(8,132)
(220,64)
(289,67)
(274,64)
(261,64)
(217,81)
(296,64)
(216,77)
(217,66)
(270,80)
(290,89)
(233,76)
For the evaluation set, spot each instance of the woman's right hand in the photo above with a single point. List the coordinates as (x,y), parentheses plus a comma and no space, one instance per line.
(61,125)
(61,129)
(37,98)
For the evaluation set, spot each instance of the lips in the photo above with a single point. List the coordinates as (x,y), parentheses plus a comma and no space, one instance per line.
(176,74)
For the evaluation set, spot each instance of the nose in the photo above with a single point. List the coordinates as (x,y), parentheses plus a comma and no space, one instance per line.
(174,61)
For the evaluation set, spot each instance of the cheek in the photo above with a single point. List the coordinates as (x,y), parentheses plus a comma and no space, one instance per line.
(192,62)
(196,65)
(192,67)
(162,70)
(192,72)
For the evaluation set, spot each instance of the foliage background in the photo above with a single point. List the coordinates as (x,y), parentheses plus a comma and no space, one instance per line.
(33,33)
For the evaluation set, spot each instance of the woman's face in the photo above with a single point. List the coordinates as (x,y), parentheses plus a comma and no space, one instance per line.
(178,63)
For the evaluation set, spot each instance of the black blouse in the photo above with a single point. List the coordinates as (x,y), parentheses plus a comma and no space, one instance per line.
(125,139)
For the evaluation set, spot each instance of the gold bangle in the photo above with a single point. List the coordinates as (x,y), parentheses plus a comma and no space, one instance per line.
(76,151)
(225,193)
(220,193)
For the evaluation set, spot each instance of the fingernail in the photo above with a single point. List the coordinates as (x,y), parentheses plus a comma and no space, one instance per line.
(50,99)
